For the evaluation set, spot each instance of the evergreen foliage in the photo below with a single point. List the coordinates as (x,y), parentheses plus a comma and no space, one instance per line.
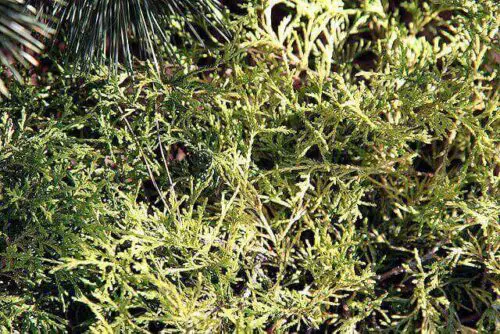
(333,168)
(96,32)
(109,31)
(17,43)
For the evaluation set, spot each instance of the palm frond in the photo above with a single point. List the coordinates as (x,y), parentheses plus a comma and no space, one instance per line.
(17,41)
(104,31)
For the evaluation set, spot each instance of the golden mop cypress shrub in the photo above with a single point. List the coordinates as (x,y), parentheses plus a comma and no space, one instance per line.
(337,170)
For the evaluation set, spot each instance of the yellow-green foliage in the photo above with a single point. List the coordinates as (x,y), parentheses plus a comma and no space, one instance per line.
(337,169)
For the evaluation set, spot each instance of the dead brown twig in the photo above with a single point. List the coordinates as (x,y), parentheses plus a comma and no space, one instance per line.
(411,264)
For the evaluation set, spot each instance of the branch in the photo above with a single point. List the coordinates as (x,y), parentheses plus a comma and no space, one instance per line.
(400,269)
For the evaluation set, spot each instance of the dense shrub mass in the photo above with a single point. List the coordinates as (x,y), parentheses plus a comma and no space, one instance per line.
(335,167)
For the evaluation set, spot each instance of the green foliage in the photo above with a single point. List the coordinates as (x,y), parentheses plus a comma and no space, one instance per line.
(338,170)
(17,43)
(105,31)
